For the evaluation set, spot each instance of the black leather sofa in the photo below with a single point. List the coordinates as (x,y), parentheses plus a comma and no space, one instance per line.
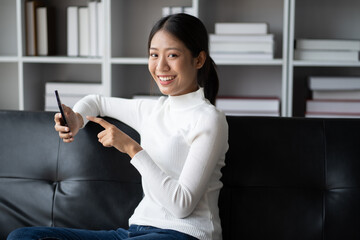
(285,178)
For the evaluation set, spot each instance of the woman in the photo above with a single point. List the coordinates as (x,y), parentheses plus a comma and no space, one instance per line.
(183,140)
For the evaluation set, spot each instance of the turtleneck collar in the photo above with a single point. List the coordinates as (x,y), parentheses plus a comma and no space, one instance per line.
(187,100)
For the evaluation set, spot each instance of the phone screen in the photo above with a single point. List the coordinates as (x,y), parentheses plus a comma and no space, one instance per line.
(60,108)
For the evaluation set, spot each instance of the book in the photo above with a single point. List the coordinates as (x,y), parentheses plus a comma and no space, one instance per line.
(241,56)
(100,18)
(71,88)
(45,31)
(177,9)
(31,40)
(249,106)
(241,38)
(331,115)
(327,44)
(166,11)
(51,103)
(241,28)
(70,93)
(190,11)
(323,55)
(336,95)
(333,106)
(84,32)
(242,47)
(93,29)
(334,83)
(251,113)
(73,31)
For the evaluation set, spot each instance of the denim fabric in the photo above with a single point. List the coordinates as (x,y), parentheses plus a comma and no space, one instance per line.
(135,232)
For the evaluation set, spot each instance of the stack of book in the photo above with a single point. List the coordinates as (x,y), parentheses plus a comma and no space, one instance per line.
(40,39)
(69,93)
(85,30)
(334,97)
(249,106)
(241,41)
(174,10)
(327,50)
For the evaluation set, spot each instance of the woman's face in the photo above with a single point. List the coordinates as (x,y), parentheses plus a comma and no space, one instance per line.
(172,65)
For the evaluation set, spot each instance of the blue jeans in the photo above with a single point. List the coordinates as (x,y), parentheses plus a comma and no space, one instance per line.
(135,232)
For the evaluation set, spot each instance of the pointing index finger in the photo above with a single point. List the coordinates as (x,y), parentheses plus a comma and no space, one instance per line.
(105,124)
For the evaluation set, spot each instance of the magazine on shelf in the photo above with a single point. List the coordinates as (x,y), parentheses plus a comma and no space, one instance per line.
(241,28)
(241,38)
(326,55)
(241,47)
(334,83)
(327,44)
(70,93)
(251,106)
(333,106)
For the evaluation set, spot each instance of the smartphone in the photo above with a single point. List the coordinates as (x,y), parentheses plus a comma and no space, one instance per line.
(64,123)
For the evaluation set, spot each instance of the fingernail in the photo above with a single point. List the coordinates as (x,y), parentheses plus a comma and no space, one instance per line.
(66,129)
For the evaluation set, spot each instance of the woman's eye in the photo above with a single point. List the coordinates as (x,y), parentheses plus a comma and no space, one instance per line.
(153,55)
(172,55)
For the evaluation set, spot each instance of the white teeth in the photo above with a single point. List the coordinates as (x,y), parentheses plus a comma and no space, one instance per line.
(166,78)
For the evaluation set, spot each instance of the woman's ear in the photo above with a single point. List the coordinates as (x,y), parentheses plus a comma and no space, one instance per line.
(200,60)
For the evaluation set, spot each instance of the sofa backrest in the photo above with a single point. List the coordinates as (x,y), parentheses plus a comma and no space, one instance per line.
(285,178)
(46,182)
(291,178)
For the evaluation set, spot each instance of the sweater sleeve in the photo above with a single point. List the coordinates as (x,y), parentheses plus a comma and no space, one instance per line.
(208,147)
(129,111)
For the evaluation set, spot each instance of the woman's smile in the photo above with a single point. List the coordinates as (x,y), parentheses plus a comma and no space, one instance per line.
(166,79)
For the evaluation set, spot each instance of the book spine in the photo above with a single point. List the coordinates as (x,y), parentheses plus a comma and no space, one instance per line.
(100,18)
(334,83)
(84,37)
(93,28)
(241,28)
(241,38)
(267,47)
(327,44)
(42,31)
(73,31)
(320,55)
(73,88)
(30,28)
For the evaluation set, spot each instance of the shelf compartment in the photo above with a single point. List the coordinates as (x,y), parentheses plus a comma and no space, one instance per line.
(271,12)
(129,35)
(37,74)
(8,26)
(128,80)
(252,81)
(53,59)
(301,92)
(9,90)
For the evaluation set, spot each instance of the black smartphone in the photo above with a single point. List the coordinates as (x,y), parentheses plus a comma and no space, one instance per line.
(64,123)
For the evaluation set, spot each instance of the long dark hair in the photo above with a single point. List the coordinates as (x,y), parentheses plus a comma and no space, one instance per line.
(192,32)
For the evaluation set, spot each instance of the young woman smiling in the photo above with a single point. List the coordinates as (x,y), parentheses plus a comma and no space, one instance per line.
(183,141)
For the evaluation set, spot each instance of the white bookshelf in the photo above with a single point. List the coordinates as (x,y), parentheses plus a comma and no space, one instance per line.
(338,20)
(122,69)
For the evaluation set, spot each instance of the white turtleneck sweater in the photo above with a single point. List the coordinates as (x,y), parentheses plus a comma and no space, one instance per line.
(184,140)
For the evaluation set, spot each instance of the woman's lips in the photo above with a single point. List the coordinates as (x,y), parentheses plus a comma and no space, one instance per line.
(166,79)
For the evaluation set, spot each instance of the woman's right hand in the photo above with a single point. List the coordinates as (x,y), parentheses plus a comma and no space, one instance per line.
(74,120)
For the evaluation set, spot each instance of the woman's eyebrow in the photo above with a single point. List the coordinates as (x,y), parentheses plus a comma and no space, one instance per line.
(170,48)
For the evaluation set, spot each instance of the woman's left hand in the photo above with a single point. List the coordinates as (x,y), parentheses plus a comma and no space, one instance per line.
(111,136)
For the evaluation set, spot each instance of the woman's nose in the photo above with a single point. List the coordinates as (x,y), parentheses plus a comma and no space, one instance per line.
(162,64)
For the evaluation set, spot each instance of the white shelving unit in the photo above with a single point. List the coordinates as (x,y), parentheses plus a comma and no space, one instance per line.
(338,20)
(122,69)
